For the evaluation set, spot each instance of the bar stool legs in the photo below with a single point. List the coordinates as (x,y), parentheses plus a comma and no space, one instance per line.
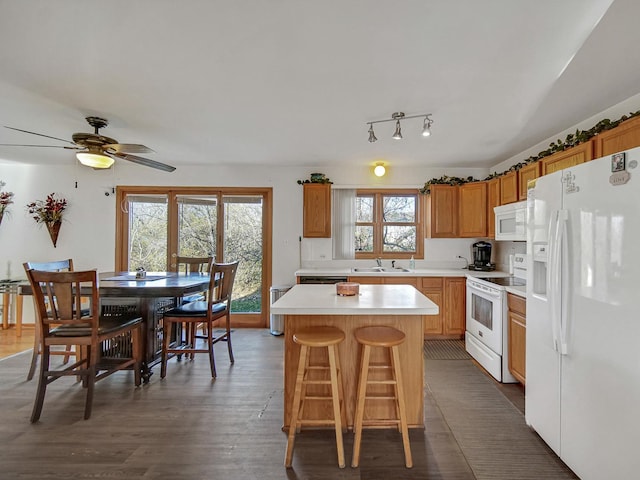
(308,338)
(386,337)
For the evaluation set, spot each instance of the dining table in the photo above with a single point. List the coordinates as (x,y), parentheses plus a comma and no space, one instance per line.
(148,295)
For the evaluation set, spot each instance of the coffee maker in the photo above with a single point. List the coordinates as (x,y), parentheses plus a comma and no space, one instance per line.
(482,257)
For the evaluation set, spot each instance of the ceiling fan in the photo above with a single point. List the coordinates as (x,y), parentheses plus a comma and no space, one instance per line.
(97,151)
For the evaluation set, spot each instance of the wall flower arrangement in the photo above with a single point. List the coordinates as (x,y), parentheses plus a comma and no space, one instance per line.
(49,212)
(6,199)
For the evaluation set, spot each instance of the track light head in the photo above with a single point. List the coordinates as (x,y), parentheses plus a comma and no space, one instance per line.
(426,127)
(372,136)
(397,135)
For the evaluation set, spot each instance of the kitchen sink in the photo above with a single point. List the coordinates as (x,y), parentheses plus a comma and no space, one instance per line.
(379,270)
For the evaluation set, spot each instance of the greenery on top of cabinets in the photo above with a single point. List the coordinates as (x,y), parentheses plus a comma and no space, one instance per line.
(571,140)
(315,178)
(445,180)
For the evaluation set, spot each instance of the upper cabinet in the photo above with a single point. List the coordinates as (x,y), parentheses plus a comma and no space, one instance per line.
(526,173)
(623,137)
(473,210)
(442,212)
(509,188)
(316,210)
(567,158)
(493,200)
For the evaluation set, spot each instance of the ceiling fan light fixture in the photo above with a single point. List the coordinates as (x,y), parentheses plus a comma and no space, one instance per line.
(94,159)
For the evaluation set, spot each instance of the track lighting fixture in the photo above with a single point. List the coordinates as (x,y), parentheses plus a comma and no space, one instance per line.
(397,116)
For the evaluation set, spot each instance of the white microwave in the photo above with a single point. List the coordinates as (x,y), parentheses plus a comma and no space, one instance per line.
(511,221)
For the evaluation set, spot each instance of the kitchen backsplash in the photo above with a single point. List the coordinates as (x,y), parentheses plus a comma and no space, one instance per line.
(439,253)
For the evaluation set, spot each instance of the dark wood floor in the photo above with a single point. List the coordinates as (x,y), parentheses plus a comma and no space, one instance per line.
(191,427)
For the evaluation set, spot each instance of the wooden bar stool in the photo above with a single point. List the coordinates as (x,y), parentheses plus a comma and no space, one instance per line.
(318,337)
(387,337)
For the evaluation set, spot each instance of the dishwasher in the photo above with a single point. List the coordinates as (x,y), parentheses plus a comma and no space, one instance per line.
(319,279)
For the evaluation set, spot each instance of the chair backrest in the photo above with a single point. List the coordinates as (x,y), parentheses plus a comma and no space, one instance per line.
(194,264)
(221,284)
(55,266)
(58,298)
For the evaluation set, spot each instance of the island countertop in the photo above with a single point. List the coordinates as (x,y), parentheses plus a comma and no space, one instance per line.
(386,299)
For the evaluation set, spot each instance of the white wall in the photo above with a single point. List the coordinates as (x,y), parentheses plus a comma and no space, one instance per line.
(88,230)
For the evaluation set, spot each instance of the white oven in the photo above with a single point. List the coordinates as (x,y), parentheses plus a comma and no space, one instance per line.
(486,337)
(484,314)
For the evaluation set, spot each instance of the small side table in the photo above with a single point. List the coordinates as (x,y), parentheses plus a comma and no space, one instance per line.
(11,296)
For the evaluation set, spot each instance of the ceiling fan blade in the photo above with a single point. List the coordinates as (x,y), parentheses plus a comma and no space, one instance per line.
(127,148)
(143,161)
(47,146)
(39,134)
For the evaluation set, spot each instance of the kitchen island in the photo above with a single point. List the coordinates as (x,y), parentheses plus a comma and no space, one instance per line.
(398,306)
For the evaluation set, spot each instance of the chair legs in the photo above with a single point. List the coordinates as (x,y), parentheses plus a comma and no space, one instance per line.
(43,381)
(36,353)
(189,349)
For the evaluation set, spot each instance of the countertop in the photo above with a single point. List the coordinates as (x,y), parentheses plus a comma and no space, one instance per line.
(517,290)
(418,272)
(372,300)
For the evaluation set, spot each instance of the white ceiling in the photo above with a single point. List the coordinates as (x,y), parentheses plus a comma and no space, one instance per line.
(293,82)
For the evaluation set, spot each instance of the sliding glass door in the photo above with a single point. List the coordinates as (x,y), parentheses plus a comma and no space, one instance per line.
(155,225)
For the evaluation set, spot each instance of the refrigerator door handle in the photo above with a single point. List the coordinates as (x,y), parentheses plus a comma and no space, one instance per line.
(553,273)
(563,266)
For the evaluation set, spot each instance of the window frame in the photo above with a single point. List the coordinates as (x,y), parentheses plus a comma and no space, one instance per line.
(378,224)
(257,320)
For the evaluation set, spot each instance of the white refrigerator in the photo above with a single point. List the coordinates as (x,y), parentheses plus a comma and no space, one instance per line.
(582,391)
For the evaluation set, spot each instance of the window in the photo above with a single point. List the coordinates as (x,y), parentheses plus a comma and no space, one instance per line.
(157,224)
(388,224)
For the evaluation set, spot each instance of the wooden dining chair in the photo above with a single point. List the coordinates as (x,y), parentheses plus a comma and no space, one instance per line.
(216,309)
(187,265)
(55,266)
(194,264)
(109,343)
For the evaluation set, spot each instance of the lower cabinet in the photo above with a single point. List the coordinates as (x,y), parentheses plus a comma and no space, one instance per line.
(517,336)
(455,311)
(449,293)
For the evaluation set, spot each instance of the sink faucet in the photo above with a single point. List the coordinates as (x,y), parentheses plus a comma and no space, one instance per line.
(393,264)
(379,261)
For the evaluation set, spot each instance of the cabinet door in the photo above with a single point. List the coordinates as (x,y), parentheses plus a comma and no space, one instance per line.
(367,280)
(623,137)
(526,173)
(413,281)
(517,346)
(493,200)
(567,158)
(317,210)
(509,188)
(431,287)
(455,305)
(442,212)
(433,324)
(473,210)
